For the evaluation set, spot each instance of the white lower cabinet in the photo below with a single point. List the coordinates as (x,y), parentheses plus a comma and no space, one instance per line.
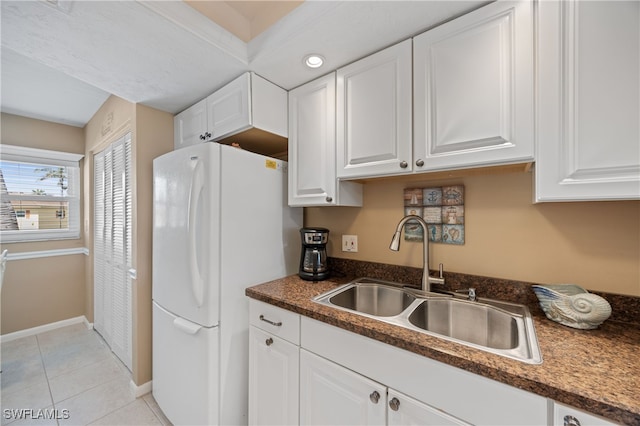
(303,371)
(404,410)
(273,365)
(333,395)
(438,391)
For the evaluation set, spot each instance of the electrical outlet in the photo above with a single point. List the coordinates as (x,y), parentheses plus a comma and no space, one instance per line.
(350,243)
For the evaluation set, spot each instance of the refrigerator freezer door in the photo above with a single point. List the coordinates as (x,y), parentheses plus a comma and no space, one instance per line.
(186,188)
(260,241)
(185,369)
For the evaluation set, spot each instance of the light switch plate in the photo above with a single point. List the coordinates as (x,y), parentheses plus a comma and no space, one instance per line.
(350,243)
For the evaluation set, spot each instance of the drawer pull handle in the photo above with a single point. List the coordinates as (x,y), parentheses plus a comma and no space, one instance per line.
(269,341)
(277,324)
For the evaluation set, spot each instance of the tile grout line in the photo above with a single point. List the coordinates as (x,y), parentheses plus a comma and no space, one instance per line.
(153,411)
(46,375)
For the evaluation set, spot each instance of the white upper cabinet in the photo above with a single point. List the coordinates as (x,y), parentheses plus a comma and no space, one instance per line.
(312,148)
(374,114)
(247,102)
(190,126)
(474,91)
(589,101)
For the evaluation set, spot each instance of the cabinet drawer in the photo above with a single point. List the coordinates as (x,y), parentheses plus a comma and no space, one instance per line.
(274,320)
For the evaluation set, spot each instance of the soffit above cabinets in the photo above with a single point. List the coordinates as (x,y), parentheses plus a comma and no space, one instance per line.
(167,55)
(244,19)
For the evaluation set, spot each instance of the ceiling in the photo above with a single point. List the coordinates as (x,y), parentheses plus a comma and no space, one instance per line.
(61,59)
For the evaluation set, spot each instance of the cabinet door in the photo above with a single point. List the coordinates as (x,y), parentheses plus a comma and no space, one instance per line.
(273,379)
(404,410)
(589,97)
(229,109)
(473,89)
(190,126)
(374,114)
(333,395)
(312,148)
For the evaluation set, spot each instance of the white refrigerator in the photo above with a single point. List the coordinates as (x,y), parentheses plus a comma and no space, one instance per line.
(220,224)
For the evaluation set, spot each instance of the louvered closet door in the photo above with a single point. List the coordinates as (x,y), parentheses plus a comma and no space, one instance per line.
(112,247)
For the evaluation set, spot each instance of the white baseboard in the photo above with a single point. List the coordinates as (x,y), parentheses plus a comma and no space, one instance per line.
(44,328)
(143,389)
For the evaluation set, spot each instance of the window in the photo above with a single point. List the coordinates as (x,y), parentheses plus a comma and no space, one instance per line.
(40,194)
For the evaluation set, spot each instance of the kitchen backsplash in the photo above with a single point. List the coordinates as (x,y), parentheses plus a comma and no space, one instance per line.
(624,308)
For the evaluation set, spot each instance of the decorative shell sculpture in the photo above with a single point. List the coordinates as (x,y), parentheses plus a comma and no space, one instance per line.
(573,306)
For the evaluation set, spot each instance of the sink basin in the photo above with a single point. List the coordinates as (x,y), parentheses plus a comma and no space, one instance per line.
(373,299)
(498,327)
(471,322)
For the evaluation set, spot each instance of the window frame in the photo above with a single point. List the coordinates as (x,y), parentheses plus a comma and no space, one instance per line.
(45,157)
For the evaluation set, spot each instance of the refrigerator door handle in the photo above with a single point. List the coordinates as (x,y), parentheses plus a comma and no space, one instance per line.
(186,326)
(195,193)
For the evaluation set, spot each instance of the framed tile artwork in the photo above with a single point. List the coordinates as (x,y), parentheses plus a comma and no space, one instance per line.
(443,210)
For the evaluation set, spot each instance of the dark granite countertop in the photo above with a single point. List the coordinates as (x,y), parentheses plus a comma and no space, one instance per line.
(594,370)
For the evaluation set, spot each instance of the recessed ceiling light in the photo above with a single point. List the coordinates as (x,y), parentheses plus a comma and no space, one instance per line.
(313,61)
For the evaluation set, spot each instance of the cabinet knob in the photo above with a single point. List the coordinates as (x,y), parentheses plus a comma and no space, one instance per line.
(329,199)
(571,421)
(202,137)
(269,341)
(419,162)
(404,164)
(374,397)
(207,135)
(394,404)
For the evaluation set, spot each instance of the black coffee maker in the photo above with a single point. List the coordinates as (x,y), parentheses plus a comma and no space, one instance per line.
(313,259)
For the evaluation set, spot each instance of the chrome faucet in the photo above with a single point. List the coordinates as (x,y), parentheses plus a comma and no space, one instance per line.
(395,246)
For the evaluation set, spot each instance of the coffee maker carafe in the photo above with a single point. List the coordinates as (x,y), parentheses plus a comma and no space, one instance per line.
(313,259)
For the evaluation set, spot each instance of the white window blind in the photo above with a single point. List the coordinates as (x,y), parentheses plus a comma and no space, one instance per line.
(40,192)
(113,219)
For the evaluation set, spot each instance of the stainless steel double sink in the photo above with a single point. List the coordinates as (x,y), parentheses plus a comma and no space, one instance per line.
(498,327)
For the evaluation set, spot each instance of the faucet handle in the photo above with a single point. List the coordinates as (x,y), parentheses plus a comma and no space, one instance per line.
(440,278)
(471,293)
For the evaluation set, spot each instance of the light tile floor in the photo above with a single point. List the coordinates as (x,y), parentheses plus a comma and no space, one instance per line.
(69,374)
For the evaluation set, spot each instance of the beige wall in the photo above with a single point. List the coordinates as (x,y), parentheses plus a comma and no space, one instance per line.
(153,137)
(592,244)
(43,290)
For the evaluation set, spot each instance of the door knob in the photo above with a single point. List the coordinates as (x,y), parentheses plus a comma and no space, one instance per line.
(374,397)
(404,164)
(419,162)
(269,341)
